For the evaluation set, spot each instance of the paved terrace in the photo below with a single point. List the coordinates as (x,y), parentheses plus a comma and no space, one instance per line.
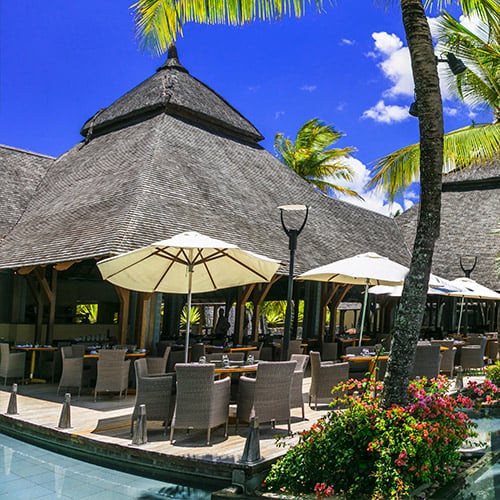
(103,428)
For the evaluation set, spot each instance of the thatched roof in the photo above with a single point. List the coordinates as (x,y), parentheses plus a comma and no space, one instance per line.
(173,90)
(164,174)
(470,212)
(21,171)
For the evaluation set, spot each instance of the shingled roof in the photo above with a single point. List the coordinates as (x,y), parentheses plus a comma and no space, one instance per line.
(470,212)
(172,89)
(163,174)
(21,171)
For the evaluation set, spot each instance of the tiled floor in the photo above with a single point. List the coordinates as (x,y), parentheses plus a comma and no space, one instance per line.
(28,472)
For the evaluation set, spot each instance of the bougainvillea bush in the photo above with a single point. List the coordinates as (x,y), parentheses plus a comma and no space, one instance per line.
(493,373)
(363,451)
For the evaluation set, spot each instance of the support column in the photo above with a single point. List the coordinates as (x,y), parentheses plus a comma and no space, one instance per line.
(243,296)
(37,295)
(328,291)
(259,294)
(142,319)
(124,297)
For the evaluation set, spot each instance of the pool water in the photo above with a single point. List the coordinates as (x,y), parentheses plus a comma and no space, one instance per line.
(30,472)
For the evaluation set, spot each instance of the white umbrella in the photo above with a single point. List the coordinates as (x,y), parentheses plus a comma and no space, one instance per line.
(437,286)
(187,263)
(472,290)
(364,269)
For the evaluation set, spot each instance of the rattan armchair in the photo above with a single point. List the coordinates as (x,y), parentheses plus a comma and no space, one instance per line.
(448,357)
(202,402)
(267,396)
(197,350)
(156,365)
(324,377)
(154,392)
(295,347)
(296,396)
(174,358)
(427,361)
(472,357)
(11,363)
(112,372)
(72,370)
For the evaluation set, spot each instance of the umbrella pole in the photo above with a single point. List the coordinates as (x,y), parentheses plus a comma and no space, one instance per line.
(188,325)
(460,316)
(363,315)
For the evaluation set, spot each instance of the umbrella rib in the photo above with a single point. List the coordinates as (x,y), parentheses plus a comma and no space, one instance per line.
(172,262)
(244,265)
(130,265)
(210,275)
(175,258)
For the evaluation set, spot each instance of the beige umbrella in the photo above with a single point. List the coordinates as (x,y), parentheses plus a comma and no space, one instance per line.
(187,263)
(367,269)
(470,289)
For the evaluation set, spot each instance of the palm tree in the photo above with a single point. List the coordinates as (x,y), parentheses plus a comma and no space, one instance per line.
(158,23)
(479,86)
(309,156)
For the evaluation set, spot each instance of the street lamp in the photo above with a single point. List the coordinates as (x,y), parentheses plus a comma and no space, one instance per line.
(456,66)
(292,246)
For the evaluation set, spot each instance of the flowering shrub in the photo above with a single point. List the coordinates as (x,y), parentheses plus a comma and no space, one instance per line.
(493,373)
(485,393)
(361,450)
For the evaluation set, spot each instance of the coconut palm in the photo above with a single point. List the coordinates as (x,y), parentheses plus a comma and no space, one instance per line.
(312,157)
(159,21)
(478,86)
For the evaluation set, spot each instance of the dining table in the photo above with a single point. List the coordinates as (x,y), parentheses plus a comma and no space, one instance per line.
(34,350)
(373,359)
(128,355)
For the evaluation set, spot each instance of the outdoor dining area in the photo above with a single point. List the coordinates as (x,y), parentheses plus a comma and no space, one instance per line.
(187,384)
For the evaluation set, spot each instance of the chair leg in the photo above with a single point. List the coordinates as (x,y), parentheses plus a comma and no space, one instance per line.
(208,436)
(132,426)
(289,425)
(316,403)
(303,413)
(171,433)
(227,426)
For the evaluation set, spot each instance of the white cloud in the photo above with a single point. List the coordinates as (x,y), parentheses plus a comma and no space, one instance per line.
(372,200)
(278,114)
(340,106)
(309,88)
(253,88)
(447,110)
(408,204)
(346,41)
(385,43)
(386,113)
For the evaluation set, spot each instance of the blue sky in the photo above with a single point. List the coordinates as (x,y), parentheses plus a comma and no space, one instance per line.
(60,62)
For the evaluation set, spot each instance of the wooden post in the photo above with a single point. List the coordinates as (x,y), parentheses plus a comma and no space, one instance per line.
(39,307)
(49,292)
(327,294)
(243,296)
(337,297)
(52,307)
(124,297)
(142,319)
(259,294)
(151,322)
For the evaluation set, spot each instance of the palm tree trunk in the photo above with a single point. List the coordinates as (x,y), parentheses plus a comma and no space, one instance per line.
(412,305)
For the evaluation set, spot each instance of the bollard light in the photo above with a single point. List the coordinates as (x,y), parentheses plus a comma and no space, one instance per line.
(65,418)
(12,407)
(140,435)
(251,452)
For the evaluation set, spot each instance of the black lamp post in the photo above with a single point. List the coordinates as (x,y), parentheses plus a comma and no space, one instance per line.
(292,246)
(456,66)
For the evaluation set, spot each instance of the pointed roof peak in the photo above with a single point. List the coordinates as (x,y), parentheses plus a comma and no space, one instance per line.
(172,60)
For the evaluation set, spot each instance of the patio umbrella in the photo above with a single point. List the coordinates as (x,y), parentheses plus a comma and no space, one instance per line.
(472,290)
(367,269)
(187,263)
(437,286)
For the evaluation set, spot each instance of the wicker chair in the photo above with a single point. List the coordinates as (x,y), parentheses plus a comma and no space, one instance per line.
(174,358)
(125,347)
(154,392)
(112,372)
(11,363)
(296,396)
(493,350)
(202,402)
(472,357)
(158,366)
(267,396)
(448,357)
(329,351)
(294,347)
(197,350)
(72,370)
(360,368)
(324,377)
(427,361)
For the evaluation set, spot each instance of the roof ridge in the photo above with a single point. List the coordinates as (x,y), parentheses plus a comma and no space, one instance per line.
(27,151)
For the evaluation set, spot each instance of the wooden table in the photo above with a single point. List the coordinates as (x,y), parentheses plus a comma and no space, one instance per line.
(372,360)
(128,355)
(226,372)
(216,348)
(34,350)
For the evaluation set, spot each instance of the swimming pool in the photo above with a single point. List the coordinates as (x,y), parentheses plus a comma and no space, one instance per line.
(30,472)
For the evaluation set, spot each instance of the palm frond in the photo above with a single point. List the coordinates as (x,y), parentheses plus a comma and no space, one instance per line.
(465,147)
(159,21)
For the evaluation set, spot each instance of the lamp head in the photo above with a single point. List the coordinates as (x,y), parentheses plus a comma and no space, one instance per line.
(413,111)
(456,65)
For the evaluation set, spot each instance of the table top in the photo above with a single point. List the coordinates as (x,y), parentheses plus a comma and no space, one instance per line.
(35,348)
(128,355)
(359,359)
(236,369)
